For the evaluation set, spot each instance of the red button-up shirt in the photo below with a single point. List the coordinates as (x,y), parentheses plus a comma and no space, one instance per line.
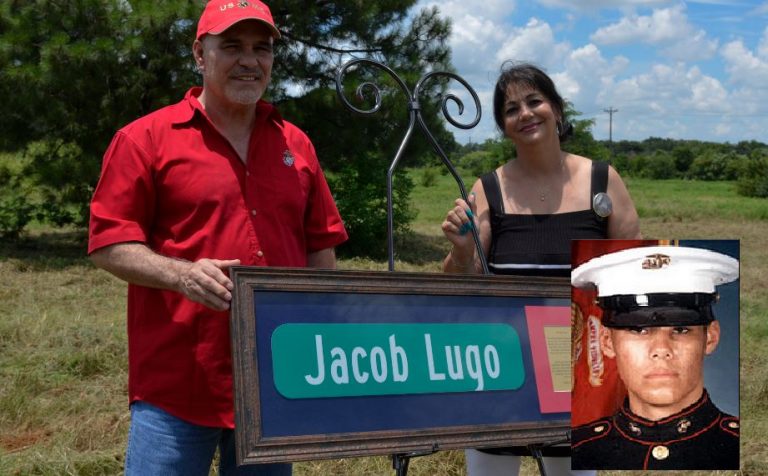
(172,181)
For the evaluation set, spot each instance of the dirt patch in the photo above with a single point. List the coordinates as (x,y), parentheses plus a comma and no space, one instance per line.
(23,440)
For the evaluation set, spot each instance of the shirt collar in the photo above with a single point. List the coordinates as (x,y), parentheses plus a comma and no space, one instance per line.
(190,106)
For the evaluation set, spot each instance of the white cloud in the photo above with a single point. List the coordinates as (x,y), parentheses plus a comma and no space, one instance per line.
(693,47)
(743,66)
(476,30)
(599,4)
(480,8)
(535,42)
(707,94)
(587,75)
(669,96)
(674,101)
(723,129)
(668,28)
(762,48)
(656,90)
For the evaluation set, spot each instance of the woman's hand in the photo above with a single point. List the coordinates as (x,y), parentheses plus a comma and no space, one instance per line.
(457,227)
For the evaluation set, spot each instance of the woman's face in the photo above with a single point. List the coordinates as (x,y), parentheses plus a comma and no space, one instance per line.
(529,116)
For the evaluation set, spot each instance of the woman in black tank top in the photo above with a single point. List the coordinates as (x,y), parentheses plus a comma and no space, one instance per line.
(528,210)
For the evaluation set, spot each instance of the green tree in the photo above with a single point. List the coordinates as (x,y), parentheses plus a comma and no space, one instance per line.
(710,165)
(582,142)
(659,166)
(683,156)
(74,72)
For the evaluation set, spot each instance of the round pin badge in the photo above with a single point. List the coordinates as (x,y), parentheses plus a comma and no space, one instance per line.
(288,158)
(602,204)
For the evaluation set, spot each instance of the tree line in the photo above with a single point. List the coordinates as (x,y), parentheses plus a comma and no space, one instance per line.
(745,162)
(72,73)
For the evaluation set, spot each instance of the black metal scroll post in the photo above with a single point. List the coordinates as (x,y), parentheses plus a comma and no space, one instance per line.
(414,113)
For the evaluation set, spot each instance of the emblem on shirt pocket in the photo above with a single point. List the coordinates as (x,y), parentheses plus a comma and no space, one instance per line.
(288,158)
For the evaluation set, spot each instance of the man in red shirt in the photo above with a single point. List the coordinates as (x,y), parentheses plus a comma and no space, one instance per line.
(216,180)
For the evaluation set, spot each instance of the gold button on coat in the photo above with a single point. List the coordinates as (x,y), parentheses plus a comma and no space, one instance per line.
(660,452)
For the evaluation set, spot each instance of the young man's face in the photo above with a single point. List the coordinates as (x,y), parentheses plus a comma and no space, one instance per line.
(662,367)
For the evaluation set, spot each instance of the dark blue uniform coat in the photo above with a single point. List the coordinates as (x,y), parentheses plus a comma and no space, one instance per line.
(700,437)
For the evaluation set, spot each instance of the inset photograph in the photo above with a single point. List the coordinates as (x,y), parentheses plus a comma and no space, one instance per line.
(655,360)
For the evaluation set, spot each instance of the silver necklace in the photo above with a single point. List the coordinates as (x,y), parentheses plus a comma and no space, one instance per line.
(544,191)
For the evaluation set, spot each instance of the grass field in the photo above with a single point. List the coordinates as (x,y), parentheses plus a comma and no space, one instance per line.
(63,364)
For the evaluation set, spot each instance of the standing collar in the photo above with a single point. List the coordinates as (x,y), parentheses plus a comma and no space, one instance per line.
(689,421)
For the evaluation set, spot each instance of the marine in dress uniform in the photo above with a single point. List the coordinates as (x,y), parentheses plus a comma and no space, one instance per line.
(669,292)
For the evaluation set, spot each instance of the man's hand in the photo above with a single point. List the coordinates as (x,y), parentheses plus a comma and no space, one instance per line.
(205,282)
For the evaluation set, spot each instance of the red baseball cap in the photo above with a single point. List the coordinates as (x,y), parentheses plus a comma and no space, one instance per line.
(222,14)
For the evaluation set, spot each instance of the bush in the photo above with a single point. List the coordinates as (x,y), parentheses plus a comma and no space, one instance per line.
(658,166)
(622,164)
(661,166)
(360,191)
(479,162)
(17,208)
(735,166)
(58,168)
(15,211)
(684,157)
(754,179)
(708,166)
(429,175)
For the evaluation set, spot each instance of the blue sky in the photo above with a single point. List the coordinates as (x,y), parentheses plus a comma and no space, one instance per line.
(673,69)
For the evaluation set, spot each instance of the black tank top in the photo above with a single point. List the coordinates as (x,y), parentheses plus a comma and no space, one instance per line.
(540,245)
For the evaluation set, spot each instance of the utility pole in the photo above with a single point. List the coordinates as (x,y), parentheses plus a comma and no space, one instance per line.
(610,112)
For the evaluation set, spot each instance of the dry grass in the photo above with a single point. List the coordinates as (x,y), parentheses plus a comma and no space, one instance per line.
(63,363)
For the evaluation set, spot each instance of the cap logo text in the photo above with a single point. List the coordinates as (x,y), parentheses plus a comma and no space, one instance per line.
(241,4)
(656,261)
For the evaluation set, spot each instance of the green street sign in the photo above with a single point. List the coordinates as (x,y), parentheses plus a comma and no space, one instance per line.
(344,360)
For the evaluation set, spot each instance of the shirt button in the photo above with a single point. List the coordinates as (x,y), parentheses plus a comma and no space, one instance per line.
(253,212)
(247,174)
(259,254)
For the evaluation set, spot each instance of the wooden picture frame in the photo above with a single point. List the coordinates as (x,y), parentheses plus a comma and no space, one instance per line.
(272,306)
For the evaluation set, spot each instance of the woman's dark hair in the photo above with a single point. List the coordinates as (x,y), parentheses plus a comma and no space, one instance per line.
(533,77)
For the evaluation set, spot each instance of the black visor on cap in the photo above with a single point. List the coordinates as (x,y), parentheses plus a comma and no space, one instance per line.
(656,310)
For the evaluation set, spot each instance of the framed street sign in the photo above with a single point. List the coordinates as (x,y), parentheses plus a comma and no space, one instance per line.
(331,364)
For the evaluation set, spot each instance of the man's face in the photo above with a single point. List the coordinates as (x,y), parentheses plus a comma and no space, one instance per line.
(236,64)
(662,367)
